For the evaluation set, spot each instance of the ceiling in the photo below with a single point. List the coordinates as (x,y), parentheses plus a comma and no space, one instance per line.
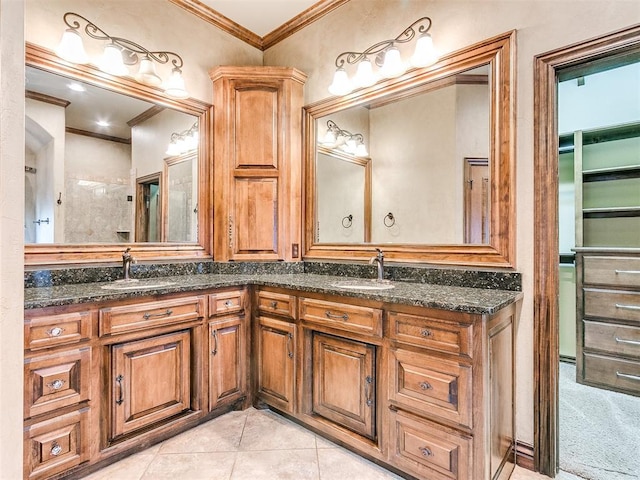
(260,16)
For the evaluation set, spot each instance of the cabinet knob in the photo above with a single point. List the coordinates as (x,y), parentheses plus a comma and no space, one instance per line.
(426,452)
(274,304)
(56,449)
(426,333)
(425,386)
(55,331)
(56,384)
(228,303)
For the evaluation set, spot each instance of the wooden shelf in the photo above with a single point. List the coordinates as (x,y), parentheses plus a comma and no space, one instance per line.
(610,212)
(612,173)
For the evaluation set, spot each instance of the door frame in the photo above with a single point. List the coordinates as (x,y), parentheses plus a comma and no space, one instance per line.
(546,249)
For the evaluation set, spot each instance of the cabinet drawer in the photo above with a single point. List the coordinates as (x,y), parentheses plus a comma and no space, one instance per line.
(226,302)
(431,386)
(51,330)
(612,304)
(609,337)
(343,316)
(614,271)
(431,333)
(56,445)
(277,303)
(56,381)
(622,375)
(140,316)
(427,450)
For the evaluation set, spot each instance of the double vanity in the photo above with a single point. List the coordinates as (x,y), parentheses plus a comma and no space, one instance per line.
(416,376)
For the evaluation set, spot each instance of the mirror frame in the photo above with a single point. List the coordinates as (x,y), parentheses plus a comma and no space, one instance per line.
(499,53)
(52,254)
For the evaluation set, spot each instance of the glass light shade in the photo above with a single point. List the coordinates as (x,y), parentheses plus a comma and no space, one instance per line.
(192,141)
(424,53)
(175,85)
(71,48)
(393,65)
(350,145)
(329,137)
(111,61)
(361,150)
(341,84)
(173,149)
(147,73)
(364,75)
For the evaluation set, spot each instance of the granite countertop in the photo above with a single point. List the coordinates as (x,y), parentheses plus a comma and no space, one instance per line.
(460,299)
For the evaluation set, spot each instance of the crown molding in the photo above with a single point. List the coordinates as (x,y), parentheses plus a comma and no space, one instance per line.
(297,23)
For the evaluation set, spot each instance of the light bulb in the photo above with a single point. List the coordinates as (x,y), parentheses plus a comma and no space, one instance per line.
(111,61)
(392,65)
(175,85)
(341,84)
(361,150)
(364,75)
(424,53)
(71,48)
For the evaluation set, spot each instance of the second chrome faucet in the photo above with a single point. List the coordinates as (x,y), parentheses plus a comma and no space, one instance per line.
(379,259)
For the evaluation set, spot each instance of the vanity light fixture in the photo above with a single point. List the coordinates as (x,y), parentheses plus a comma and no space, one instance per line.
(387,58)
(184,141)
(119,53)
(352,143)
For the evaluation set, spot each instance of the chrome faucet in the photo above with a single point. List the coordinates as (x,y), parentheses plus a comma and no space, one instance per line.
(379,259)
(126,263)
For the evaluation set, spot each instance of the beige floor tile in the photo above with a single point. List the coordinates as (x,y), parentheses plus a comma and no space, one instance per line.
(340,464)
(221,434)
(276,465)
(266,430)
(131,468)
(190,466)
(322,442)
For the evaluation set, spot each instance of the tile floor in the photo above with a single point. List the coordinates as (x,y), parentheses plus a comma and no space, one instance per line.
(255,445)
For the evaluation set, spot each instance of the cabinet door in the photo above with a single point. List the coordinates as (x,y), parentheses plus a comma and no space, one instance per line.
(344,383)
(276,362)
(227,361)
(150,381)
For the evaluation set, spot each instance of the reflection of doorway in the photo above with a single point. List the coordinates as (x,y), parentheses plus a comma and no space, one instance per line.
(476,200)
(148,211)
(546,254)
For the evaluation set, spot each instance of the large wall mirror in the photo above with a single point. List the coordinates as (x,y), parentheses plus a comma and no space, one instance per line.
(430,177)
(110,163)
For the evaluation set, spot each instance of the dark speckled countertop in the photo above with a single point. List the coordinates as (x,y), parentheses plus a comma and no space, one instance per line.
(446,297)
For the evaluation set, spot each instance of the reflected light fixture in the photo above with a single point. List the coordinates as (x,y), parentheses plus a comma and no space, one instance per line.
(387,58)
(184,141)
(118,54)
(351,143)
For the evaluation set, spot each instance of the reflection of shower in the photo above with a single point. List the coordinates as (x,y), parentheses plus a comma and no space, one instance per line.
(29,204)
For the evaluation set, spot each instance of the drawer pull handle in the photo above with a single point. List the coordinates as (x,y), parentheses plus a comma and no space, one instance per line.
(426,452)
(630,342)
(628,376)
(344,316)
(56,449)
(147,315)
(274,304)
(56,384)
(55,331)
(289,340)
(628,307)
(425,386)
(426,333)
(368,381)
(215,344)
(119,380)
(228,304)
(628,271)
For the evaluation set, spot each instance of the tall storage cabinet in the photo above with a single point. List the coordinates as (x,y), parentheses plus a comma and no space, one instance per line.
(607,175)
(257,162)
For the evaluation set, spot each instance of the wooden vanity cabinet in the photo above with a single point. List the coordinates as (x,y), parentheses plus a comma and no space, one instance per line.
(227,347)
(257,179)
(275,349)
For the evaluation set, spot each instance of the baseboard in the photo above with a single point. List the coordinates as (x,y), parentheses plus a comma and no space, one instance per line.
(524,455)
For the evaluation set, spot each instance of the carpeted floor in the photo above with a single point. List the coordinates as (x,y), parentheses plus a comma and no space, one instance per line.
(599,430)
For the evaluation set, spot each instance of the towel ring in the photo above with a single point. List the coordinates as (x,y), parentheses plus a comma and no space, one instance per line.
(389,220)
(347,221)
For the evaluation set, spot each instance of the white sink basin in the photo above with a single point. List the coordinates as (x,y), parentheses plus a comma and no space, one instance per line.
(364,285)
(134,284)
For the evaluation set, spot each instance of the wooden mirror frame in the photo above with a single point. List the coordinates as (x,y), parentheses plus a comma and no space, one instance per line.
(499,53)
(37,255)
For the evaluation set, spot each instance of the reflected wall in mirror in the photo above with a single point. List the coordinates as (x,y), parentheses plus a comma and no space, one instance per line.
(98,174)
(441,161)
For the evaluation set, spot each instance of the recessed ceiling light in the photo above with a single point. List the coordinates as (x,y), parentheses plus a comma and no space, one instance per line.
(76,87)
(103,123)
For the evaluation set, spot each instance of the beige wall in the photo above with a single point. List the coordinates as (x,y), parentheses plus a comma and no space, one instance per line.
(541,26)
